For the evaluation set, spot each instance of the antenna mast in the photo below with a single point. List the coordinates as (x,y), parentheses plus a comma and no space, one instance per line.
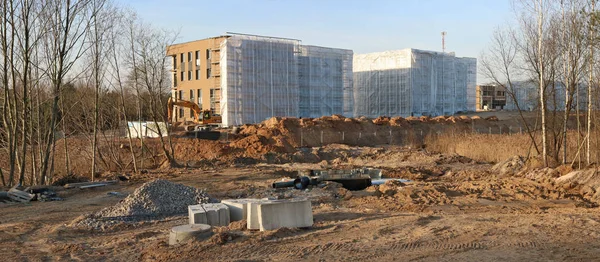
(444,41)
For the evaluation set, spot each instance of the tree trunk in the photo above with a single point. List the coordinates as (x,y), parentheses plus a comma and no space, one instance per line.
(589,89)
(541,80)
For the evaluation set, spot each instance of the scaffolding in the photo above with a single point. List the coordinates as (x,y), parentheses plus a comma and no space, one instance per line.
(259,78)
(413,82)
(325,81)
(528,96)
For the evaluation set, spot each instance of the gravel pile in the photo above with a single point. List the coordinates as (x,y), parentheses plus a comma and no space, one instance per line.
(156,198)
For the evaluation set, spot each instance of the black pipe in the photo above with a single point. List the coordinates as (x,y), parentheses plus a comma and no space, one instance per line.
(283,184)
(301,182)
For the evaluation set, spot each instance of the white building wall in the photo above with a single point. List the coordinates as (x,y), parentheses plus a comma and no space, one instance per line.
(263,77)
(325,81)
(412,82)
(259,79)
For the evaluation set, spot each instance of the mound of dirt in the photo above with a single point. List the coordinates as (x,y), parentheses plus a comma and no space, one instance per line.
(390,188)
(421,195)
(382,120)
(542,174)
(427,194)
(155,198)
(510,166)
(586,181)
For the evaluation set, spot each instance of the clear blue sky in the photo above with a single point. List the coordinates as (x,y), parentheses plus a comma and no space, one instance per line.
(363,26)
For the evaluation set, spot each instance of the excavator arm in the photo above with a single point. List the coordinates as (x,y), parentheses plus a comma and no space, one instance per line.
(191,105)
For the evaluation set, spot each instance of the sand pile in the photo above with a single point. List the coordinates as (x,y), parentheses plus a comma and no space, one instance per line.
(421,195)
(587,182)
(158,197)
(542,174)
(277,139)
(510,166)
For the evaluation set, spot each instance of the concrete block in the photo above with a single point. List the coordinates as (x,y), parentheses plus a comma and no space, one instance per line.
(181,234)
(252,218)
(238,208)
(197,215)
(211,214)
(273,214)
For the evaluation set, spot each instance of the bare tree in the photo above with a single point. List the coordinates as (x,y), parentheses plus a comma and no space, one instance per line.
(590,82)
(8,107)
(152,72)
(540,14)
(69,22)
(100,23)
(114,38)
(500,64)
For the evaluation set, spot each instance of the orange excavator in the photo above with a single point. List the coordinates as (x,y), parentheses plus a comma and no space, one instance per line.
(203,119)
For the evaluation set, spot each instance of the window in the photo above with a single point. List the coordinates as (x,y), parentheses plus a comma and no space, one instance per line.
(191,113)
(208,73)
(181,57)
(189,75)
(182,76)
(174,62)
(200,98)
(180,94)
(499,93)
(198,58)
(487,93)
(181,112)
(190,56)
(208,56)
(215,99)
(197,74)
(191,95)
(174,79)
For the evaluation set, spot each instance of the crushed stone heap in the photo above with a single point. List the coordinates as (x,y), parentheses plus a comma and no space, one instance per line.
(158,197)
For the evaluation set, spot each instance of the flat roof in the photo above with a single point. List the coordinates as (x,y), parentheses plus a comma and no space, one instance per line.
(192,41)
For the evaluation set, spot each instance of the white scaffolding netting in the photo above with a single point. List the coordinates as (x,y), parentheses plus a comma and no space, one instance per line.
(413,82)
(325,80)
(259,79)
(527,96)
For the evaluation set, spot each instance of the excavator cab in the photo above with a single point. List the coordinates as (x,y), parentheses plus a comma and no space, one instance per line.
(206,115)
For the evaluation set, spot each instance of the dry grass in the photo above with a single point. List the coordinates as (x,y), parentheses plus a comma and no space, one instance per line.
(498,147)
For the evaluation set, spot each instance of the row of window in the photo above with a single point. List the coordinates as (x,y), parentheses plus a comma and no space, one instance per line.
(189,58)
(491,93)
(189,76)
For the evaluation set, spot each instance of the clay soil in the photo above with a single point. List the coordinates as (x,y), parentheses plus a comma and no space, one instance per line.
(455,208)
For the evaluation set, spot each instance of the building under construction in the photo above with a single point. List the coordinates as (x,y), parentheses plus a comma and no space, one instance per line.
(247,78)
(490,97)
(413,82)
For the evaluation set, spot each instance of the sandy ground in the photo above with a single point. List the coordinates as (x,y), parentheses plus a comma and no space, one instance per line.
(461,213)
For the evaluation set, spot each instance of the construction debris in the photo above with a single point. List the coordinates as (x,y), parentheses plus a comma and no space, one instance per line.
(351,179)
(84,185)
(20,196)
(4,195)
